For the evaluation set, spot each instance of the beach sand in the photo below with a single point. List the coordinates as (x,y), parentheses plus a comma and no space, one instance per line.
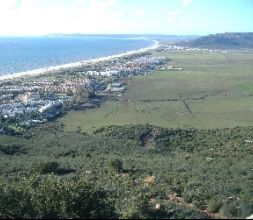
(76,64)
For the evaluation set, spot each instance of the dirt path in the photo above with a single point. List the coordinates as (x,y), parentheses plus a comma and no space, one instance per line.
(174,99)
(187,106)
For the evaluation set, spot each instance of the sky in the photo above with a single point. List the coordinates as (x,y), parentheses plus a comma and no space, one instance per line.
(173,17)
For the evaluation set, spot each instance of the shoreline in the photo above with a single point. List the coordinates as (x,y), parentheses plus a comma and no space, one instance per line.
(50,69)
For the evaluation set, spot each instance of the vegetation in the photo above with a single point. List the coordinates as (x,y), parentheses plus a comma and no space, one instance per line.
(116,165)
(51,197)
(214,206)
(11,149)
(224,41)
(9,127)
(160,173)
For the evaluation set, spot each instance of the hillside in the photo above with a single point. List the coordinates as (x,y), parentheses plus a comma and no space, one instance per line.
(224,41)
(130,172)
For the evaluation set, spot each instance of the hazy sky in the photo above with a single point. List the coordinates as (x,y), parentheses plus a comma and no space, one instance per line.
(39,17)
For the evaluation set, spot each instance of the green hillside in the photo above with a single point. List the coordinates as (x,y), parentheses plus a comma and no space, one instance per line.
(224,41)
(139,171)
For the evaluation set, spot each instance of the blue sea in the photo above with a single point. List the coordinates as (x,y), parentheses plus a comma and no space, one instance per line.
(30,53)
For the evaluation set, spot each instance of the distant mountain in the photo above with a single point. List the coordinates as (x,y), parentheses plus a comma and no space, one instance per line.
(223,41)
(160,37)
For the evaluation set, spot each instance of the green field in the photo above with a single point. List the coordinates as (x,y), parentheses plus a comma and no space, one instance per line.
(223,81)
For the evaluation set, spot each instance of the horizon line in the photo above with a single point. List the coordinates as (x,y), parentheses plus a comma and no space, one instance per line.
(115,34)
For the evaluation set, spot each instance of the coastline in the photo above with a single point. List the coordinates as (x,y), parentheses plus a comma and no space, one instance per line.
(50,69)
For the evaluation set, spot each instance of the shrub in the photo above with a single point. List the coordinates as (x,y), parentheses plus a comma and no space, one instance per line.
(52,168)
(116,165)
(53,197)
(138,209)
(231,210)
(47,168)
(11,149)
(214,206)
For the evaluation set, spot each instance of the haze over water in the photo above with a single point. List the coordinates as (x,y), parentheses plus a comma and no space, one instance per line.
(30,53)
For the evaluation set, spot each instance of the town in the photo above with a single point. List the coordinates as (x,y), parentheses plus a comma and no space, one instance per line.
(184,48)
(33,100)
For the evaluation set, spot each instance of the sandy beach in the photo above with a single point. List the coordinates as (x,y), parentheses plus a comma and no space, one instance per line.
(77,64)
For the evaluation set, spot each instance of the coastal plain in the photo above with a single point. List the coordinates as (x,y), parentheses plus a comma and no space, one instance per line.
(213,90)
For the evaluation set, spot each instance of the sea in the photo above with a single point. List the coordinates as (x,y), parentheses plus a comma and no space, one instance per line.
(22,54)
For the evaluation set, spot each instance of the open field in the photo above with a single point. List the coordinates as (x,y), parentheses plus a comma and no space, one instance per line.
(213,91)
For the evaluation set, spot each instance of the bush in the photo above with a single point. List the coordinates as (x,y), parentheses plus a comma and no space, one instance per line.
(47,168)
(139,209)
(142,208)
(214,206)
(11,149)
(231,210)
(52,168)
(54,197)
(116,165)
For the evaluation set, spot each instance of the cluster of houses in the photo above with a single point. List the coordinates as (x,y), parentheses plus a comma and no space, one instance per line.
(121,68)
(183,48)
(116,87)
(35,107)
(170,68)
(34,102)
